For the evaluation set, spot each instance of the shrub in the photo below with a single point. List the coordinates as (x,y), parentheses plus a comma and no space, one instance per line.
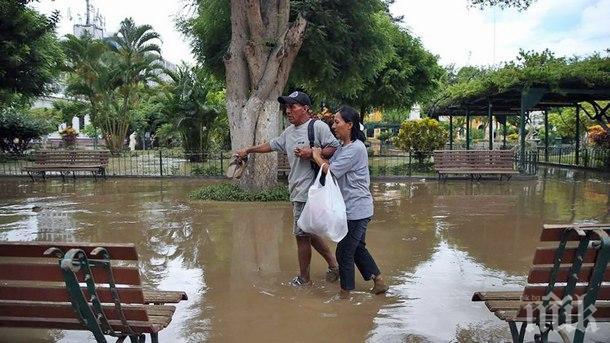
(421,137)
(599,137)
(18,129)
(232,192)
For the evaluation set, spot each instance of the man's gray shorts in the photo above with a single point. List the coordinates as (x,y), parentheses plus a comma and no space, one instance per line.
(297,209)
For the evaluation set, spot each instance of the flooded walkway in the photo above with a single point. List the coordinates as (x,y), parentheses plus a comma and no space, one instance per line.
(436,243)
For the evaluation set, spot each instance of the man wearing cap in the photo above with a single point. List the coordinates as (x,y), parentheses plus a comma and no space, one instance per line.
(294,142)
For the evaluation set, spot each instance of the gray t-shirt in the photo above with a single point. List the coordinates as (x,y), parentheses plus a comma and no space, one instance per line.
(350,165)
(301,174)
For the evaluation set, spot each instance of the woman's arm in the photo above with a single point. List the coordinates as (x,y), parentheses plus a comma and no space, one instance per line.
(321,161)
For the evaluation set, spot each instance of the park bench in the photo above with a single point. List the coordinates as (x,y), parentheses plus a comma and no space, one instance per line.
(567,284)
(66,161)
(80,286)
(475,163)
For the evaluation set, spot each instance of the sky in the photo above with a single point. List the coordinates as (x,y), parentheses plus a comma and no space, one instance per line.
(458,34)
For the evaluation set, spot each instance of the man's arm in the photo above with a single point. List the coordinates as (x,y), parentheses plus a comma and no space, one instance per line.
(261,148)
(306,153)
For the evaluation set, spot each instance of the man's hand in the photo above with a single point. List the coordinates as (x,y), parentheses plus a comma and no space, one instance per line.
(241,154)
(303,153)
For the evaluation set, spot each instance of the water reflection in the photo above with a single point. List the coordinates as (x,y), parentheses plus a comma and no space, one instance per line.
(435,242)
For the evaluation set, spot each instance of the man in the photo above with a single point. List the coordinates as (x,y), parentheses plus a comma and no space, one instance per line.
(294,142)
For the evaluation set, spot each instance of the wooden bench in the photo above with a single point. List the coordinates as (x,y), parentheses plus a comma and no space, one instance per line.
(66,161)
(80,286)
(474,163)
(564,285)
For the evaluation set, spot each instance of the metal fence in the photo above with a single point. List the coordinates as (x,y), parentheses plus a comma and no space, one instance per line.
(566,155)
(168,163)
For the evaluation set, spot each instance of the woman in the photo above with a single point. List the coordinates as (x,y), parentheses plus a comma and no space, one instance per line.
(350,166)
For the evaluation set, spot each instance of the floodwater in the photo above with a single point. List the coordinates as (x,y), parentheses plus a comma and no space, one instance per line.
(436,243)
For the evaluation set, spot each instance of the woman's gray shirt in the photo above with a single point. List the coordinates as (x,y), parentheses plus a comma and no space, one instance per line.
(350,165)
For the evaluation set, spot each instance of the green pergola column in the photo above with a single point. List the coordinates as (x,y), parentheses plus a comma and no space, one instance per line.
(522,137)
(450,132)
(546,136)
(577,152)
(504,132)
(468,128)
(529,98)
(491,127)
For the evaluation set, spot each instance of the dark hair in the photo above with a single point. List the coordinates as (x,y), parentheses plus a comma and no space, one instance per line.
(349,115)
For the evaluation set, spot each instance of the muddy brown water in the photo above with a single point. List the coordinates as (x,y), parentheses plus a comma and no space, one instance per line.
(436,243)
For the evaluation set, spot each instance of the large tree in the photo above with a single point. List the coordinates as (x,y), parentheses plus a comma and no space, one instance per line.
(30,55)
(327,48)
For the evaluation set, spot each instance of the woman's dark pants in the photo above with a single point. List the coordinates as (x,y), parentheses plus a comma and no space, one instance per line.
(352,250)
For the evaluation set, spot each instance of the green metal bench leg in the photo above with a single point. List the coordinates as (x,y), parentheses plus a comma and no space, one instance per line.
(154,337)
(517,335)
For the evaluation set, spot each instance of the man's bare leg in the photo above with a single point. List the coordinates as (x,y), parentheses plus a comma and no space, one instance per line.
(322,248)
(304,243)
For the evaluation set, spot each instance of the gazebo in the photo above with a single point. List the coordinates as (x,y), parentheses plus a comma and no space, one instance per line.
(523,97)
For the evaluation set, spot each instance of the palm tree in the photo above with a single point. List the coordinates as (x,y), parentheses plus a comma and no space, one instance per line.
(189,106)
(136,63)
(111,74)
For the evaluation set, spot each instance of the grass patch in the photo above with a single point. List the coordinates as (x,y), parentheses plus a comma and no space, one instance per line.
(232,192)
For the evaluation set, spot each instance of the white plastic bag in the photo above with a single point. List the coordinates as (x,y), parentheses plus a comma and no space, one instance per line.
(324,212)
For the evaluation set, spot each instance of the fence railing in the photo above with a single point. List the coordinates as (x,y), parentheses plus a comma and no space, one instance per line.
(167,163)
(390,162)
(566,155)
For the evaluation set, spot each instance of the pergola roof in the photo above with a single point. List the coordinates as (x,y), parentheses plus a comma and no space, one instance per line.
(510,102)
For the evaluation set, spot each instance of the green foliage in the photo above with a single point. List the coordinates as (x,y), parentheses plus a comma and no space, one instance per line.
(409,74)
(30,56)
(111,75)
(195,100)
(167,135)
(17,129)
(530,69)
(232,192)
(385,135)
(563,122)
(421,137)
(353,51)
(395,116)
(67,109)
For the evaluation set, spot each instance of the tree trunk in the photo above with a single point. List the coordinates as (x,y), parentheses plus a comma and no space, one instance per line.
(263,48)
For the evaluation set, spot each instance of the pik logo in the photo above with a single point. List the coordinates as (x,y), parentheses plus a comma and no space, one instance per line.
(574,316)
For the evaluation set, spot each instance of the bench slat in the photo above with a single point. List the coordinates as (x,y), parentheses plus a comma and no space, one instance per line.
(50,271)
(546,255)
(163,297)
(117,251)
(155,323)
(12,308)
(552,233)
(536,292)
(542,273)
(500,295)
(56,292)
